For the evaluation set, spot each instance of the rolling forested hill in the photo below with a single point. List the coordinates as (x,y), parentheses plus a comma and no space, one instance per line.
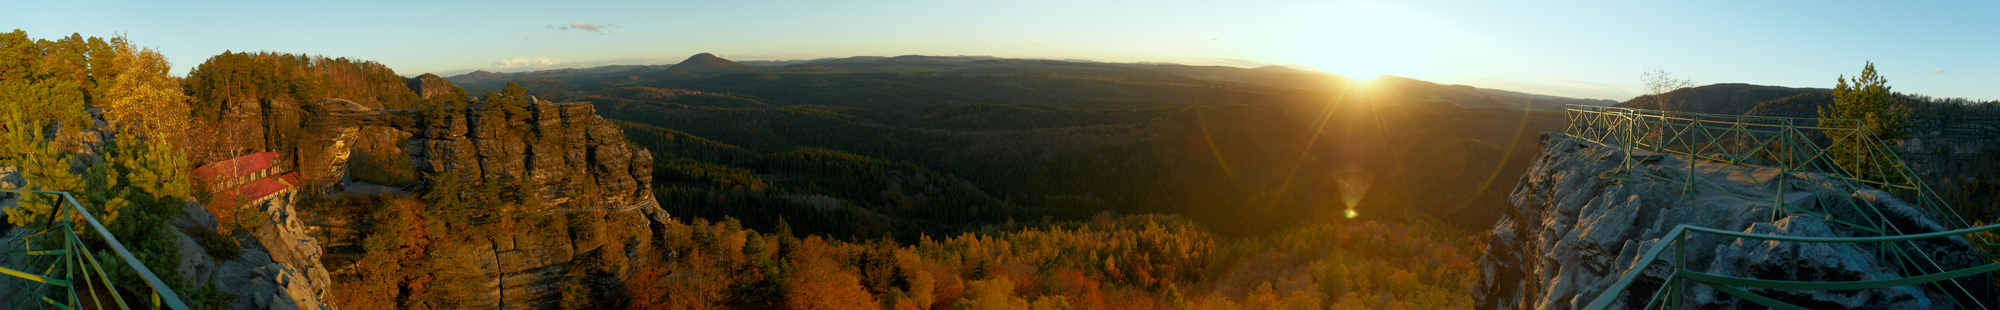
(937,182)
(915,145)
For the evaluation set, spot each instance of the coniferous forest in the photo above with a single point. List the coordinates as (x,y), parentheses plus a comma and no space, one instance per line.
(1047,186)
(1038,155)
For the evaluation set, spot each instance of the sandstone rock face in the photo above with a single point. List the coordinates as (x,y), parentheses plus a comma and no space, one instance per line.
(1575,228)
(280,267)
(428,85)
(597,186)
(523,270)
(565,147)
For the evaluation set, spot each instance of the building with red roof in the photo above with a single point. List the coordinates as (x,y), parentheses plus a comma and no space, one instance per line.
(233,172)
(244,181)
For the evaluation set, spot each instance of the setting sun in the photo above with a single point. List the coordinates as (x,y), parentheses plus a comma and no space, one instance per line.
(1034,154)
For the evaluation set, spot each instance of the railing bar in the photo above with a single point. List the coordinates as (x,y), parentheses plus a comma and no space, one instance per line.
(73,263)
(1656,294)
(53,302)
(167,293)
(33,277)
(1759,299)
(1846,285)
(1638,267)
(38,252)
(108,286)
(1875,239)
(1940,268)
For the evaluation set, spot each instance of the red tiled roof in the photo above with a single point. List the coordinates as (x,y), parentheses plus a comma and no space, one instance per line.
(236,167)
(249,192)
(291,178)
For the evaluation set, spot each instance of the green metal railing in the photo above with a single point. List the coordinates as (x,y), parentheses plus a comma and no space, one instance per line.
(59,271)
(1670,294)
(1840,155)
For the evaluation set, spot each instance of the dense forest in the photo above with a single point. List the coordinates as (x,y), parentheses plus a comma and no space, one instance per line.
(900,183)
(951,185)
(1064,144)
(52,94)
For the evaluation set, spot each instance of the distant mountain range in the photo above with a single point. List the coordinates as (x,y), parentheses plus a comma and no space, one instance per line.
(1725,98)
(706,64)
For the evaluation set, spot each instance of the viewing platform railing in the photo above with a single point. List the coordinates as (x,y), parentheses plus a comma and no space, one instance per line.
(58,264)
(1840,154)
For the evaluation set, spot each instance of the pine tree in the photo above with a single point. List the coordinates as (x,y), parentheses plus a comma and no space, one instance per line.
(1867,99)
(447,205)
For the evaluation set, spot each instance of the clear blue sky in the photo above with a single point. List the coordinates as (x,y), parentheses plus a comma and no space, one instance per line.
(1591,49)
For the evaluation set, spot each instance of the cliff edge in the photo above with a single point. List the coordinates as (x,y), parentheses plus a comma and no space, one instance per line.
(1578,223)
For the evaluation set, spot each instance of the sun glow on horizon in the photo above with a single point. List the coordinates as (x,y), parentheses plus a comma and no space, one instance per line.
(1358,72)
(1363,41)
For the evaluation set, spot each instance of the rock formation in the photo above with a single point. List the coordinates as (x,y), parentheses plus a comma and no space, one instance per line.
(429,85)
(280,265)
(565,147)
(1575,228)
(581,162)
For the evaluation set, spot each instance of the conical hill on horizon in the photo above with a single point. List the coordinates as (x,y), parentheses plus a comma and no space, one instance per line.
(706,62)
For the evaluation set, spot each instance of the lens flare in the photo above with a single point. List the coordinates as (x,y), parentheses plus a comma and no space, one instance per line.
(1354,185)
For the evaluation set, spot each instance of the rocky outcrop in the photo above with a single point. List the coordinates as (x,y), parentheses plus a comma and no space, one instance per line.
(428,85)
(565,147)
(1577,224)
(280,264)
(593,182)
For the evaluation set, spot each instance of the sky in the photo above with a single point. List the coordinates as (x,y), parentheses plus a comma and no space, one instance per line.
(1582,49)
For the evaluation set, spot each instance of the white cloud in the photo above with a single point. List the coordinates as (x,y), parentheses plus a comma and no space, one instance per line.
(1215,39)
(1938,71)
(1037,44)
(598,28)
(528,63)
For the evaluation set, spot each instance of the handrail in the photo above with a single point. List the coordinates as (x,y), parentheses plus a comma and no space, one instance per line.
(1789,148)
(1681,231)
(165,295)
(1797,151)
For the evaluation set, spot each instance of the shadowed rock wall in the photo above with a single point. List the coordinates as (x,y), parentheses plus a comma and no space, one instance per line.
(1575,228)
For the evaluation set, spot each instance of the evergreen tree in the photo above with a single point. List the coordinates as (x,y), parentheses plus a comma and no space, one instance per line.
(1866,99)
(447,205)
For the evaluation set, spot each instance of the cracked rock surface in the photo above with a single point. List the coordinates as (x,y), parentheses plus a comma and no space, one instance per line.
(1577,224)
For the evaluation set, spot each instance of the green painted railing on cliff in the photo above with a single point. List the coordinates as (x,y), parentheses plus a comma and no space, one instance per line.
(1840,155)
(1670,293)
(57,270)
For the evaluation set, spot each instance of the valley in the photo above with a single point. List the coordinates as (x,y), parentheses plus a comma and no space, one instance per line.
(296,181)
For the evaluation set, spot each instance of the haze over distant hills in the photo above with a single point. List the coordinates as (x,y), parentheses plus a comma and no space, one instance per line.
(1274,76)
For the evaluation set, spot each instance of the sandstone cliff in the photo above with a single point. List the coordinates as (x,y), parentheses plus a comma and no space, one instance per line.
(1575,227)
(590,178)
(429,85)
